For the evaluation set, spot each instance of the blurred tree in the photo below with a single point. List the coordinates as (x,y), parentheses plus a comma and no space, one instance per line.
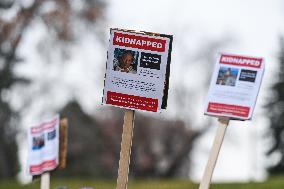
(160,147)
(276,116)
(16,17)
(85,144)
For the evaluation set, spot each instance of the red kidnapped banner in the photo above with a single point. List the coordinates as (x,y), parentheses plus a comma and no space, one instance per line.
(240,111)
(131,101)
(140,42)
(241,61)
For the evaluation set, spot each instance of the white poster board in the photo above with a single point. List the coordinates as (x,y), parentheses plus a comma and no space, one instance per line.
(43,141)
(234,86)
(137,70)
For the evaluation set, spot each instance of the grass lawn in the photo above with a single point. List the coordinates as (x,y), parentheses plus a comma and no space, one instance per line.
(272,183)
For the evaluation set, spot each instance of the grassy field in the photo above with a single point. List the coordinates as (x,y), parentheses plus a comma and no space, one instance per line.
(272,183)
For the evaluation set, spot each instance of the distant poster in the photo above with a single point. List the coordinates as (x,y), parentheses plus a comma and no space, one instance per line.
(43,140)
(234,86)
(137,71)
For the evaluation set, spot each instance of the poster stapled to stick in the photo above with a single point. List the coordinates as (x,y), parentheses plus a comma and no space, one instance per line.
(43,141)
(234,86)
(137,70)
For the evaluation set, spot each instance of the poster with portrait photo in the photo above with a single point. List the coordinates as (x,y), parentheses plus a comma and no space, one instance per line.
(125,60)
(227,76)
(234,86)
(38,142)
(137,70)
(43,142)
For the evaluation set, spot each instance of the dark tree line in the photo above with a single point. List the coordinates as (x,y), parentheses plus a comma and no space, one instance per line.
(10,38)
(276,115)
(160,147)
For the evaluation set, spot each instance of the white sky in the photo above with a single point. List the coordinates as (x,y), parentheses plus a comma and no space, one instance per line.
(255,27)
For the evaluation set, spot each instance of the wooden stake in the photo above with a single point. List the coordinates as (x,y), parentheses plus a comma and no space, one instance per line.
(206,179)
(63,143)
(125,150)
(45,180)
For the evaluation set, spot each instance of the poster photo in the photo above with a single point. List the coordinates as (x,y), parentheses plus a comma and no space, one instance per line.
(137,70)
(43,142)
(234,86)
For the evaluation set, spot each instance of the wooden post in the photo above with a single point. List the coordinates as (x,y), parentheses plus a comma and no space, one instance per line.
(63,143)
(125,151)
(45,180)
(206,179)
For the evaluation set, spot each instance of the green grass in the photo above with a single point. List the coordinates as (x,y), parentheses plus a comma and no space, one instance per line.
(272,183)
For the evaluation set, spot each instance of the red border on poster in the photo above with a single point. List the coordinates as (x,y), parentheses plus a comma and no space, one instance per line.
(131,101)
(44,166)
(218,108)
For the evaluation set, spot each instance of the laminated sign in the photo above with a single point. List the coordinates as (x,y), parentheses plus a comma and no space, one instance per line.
(43,142)
(137,71)
(234,86)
